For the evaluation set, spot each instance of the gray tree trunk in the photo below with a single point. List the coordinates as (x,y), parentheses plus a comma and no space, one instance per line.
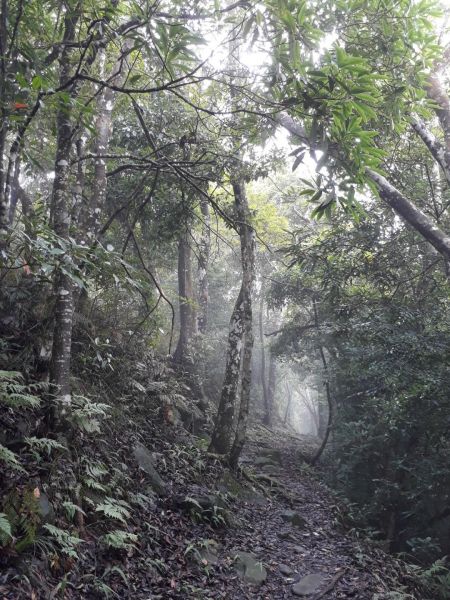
(264,385)
(203,262)
(271,388)
(247,237)
(330,400)
(223,429)
(103,131)
(392,196)
(240,344)
(188,320)
(288,404)
(60,217)
(3,120)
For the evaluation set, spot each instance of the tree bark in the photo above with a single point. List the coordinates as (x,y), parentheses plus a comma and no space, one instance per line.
(247,236)
(330,399)
(60,216)
(103,133)
(271,388)
(411,214)
(389,193)
(263,358)
(203,262)
(186,300)
(288,405)
(3,120)
(221,437)
(14,196)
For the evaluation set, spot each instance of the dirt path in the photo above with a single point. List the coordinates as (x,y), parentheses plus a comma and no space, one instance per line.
(296,533)
(215,536)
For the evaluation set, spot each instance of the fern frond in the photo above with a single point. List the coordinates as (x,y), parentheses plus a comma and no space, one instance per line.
(72,508)
(93,484)
(10,459)
(120,539)
(43,444)
(20,400)
(5,529)
(11,376)
(96,470)
(64,539)
(114,509)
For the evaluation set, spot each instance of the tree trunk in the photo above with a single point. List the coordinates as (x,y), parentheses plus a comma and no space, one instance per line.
(330,399)
(60,217)
(271,390)
(288,405)
(3,119)
(391,195)
(203,262)
(264,386)
(186,300)
(103,133)
(14,197)
(221,437)
(247,236)
(240,344)
(240,340)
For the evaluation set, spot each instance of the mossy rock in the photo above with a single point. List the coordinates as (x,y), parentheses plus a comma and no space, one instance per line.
(250,568)
(294,518)
(272,454)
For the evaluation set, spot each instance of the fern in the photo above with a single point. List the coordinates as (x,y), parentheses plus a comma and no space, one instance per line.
(20,400)
(437,579)
(122,540)
(66,542)
(5,529)
(72,508)
(10,459)
(15,393)
(43,445)
(86,414)
(96,470)
(114,509)
(93,484)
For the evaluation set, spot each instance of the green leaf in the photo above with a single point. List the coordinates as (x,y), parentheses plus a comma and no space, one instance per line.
(36,82)
(298,161)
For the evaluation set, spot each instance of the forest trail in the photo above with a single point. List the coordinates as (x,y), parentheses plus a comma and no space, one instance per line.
(272,531)
(294,533)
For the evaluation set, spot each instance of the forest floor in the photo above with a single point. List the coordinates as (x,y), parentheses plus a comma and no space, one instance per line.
(272,531)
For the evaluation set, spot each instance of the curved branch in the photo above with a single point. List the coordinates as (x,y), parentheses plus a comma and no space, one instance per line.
(411,214)
(440,154)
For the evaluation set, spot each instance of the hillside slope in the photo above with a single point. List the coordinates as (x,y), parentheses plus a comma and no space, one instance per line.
(197,531)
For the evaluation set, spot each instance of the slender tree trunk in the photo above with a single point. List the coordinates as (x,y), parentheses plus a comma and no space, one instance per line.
(247,236)
(288,405)
(330,399)
(186,300)
(240,344)
(406,209)
(103,133)
(271,389)
(240,340)
(263,357)
(203,262)
(3,119)
(14,197)
(221,437)
(60,215)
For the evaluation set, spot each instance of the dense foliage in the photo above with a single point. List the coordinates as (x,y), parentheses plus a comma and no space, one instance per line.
(214,214)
